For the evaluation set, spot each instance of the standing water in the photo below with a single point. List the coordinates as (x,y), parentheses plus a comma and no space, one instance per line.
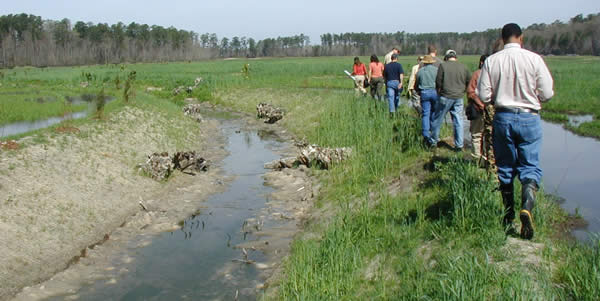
(572,171)
(199,261)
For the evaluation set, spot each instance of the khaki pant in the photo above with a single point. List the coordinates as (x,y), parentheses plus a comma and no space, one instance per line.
(359,84)
(476,134)
(487,150)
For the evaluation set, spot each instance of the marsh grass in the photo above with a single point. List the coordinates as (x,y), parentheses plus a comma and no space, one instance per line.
(442,240)
(439,240)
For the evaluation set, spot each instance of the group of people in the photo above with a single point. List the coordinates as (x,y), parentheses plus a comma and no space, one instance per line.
(504,98)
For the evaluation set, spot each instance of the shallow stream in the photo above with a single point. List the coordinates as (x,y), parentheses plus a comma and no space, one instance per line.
(200,261)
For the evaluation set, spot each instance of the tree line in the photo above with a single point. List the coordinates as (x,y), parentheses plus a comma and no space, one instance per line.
(581,35)
(29,40)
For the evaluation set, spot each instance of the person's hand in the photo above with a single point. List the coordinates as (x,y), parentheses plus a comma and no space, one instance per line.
(400,86)
(479,106)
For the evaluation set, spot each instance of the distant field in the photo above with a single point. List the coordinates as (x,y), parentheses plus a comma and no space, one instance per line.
(32,93)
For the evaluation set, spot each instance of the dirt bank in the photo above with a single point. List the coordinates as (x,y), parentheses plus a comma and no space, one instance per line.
(62,193)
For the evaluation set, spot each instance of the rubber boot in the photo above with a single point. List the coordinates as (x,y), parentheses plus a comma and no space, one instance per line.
(528,191)
(508,198)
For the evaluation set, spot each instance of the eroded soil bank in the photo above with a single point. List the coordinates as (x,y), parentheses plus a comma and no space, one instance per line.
(232,242)
(62,193)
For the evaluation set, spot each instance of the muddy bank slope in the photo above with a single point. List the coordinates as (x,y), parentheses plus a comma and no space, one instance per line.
(60,193)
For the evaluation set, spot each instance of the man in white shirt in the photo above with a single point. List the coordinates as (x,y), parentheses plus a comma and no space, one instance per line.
(388,57)
(516,81)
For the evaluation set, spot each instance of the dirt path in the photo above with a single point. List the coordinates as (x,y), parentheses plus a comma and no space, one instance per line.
(62,193)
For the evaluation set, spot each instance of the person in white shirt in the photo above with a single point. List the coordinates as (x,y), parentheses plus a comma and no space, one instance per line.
(516,81)
(388,57)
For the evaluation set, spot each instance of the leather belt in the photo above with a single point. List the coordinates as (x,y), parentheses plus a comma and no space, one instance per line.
(516,110)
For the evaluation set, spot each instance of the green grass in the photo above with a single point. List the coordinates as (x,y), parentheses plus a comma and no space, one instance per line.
(577,82)
(452,213)
(439,240)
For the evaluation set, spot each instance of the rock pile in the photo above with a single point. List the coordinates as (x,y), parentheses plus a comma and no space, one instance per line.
(313,155)
(189,89)
(189,160)
(269,113)
(160,166)
(193,110)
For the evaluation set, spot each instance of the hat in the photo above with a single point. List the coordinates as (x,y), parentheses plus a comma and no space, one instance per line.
(420,58)
(428,59)
(450,53)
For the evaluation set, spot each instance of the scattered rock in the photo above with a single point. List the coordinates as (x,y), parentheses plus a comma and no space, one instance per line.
(189,89)
(189,160)
(313,155)
(160,165)
(193,110)
(323,156)
(269,113)
(152,89)
(282,163)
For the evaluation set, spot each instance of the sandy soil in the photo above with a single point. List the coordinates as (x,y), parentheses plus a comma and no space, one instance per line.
(63,193)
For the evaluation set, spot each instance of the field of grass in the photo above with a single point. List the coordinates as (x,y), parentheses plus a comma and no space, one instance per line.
(436,237)
(577,83)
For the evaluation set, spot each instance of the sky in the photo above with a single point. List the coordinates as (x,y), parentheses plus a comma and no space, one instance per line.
(261,19)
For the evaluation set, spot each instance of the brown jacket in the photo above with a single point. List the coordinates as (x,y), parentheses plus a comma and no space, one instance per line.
(472,88)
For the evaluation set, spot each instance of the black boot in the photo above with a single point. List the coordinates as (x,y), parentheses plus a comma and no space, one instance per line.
(508,198)
(528,191)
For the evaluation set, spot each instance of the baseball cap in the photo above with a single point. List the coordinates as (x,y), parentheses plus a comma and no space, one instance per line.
(450,53)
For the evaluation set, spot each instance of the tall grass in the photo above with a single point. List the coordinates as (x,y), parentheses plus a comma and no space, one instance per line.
(443,240)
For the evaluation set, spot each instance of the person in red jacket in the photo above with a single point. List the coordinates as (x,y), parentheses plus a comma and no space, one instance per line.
(359,71)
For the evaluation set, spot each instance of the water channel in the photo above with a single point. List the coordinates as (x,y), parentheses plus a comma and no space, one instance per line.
(200,261)
(571,171)
(21,127)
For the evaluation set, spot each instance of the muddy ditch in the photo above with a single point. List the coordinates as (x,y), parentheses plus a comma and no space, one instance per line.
(223,246)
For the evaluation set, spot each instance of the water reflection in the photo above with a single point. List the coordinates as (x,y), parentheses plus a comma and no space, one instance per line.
(198,261)
(577,120)
(21,127)
(572,171)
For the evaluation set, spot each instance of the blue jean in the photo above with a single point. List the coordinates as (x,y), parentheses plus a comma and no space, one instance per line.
(455,107)
(393,94)
(429,98)
(517,139)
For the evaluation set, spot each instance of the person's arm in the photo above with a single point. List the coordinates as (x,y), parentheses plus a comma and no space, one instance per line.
(467,78)
(544,82)
(401,77)
(401,80)
(472,92)
(484,86)
(370,74)
(439,79)
(412,80)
